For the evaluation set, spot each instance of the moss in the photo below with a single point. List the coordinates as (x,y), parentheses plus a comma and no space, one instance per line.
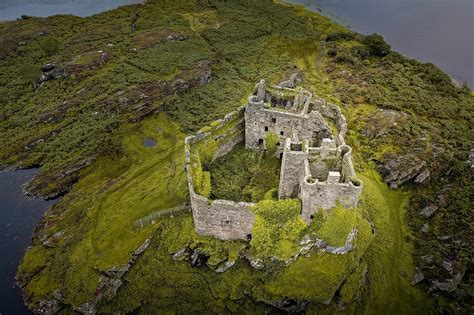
(335,224)
(351,289)
(254,40)
(391,255)
(215,123)
(205,129)
(271,141)
(326,271)
(277,228)
(99,224)
(201,179)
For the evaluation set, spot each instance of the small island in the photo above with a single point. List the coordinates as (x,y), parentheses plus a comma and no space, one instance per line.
(341,182)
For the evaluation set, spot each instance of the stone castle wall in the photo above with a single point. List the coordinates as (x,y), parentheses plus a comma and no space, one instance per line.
(260,121)
(333,112)
(222,219)
(306,145)
(317,194)
(292,169)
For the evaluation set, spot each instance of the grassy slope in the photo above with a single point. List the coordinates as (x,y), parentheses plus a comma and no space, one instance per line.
(389,257)
(97,216)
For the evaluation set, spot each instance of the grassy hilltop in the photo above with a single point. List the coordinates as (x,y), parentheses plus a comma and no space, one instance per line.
(165,69)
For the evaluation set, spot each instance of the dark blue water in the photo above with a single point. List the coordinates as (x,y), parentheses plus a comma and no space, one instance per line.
(13,9)
(18,217)
(437,31)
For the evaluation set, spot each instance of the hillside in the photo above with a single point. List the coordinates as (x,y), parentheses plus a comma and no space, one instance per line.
(78,96)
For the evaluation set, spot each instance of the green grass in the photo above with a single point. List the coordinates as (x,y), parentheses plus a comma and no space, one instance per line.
(107,236)
(316,278)
(389,257)
(334,225)
(277,229)
(63,122)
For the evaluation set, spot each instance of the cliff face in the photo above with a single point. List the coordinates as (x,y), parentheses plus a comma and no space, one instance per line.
(78,96)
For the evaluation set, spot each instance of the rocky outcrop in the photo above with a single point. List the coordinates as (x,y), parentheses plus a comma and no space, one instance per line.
(109,283)
(418,276)
(224,266)
(403,169)
(50,72)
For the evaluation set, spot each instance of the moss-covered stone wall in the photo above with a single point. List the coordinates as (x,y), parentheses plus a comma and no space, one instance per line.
(222,219)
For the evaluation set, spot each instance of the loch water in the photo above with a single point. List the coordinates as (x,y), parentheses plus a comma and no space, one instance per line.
(19,215)
(13,9)
(436,31)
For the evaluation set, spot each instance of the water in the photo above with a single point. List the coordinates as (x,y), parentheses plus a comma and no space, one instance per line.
(149,142)
(437,31)
(13,9)
(18,217)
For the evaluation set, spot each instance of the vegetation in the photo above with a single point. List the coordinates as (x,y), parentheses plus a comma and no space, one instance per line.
(277,229)
(271,142)
(244,175)
(85,131)
(333,226)
(201,179)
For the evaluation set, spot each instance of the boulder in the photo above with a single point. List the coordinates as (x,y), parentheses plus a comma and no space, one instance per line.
(470,159)
(181,254)
(422,177)
(428,211)
(425,228)
(224,266)
(48,67)
(418,276)
(255,262)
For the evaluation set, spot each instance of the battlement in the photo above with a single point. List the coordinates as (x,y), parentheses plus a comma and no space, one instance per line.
(316,164)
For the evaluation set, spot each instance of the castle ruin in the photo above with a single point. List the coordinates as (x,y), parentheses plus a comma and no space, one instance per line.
(316,164)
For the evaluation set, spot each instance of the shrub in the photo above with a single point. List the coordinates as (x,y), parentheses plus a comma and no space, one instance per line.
(29,73)
(332,52)
(361,53)
(345,58)
(50,45)
(339,36)
(377,45)
(272,194)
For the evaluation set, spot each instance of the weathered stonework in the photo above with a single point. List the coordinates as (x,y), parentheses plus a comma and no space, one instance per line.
(221,219)
(316,163)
